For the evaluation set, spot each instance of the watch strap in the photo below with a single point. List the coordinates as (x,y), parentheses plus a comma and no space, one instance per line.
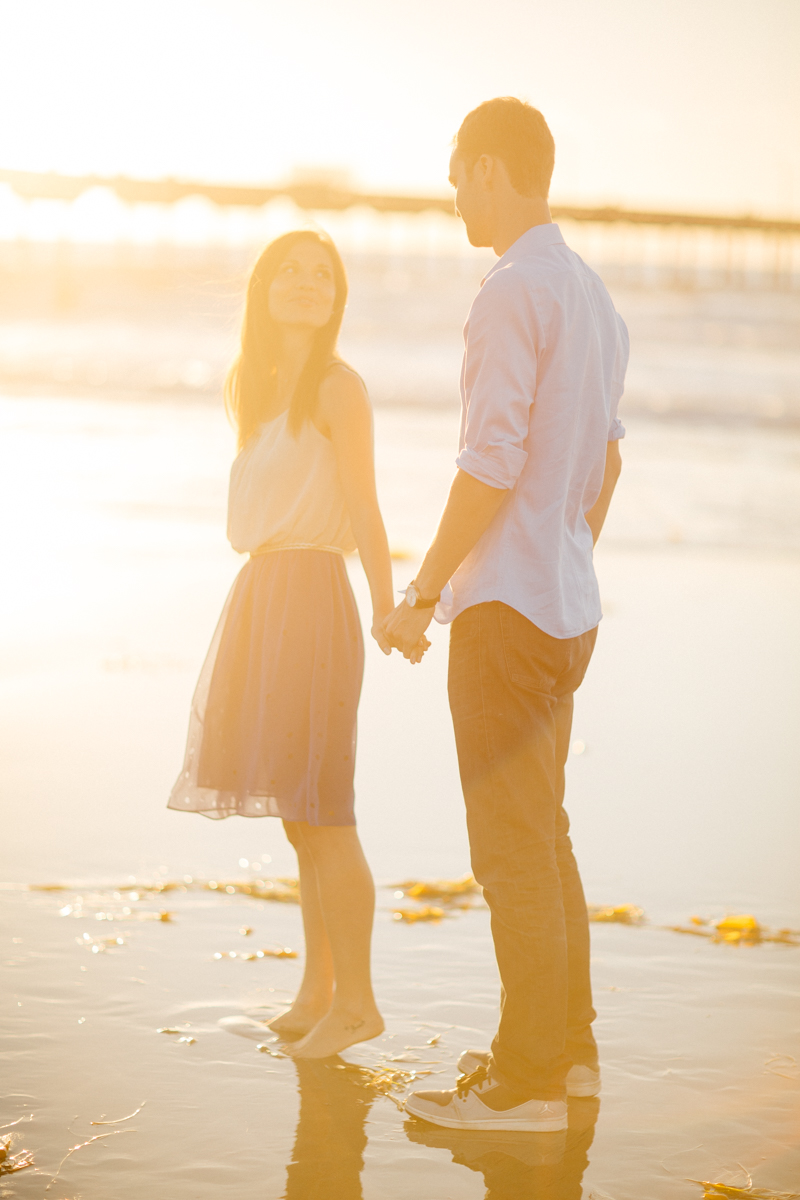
(421,602)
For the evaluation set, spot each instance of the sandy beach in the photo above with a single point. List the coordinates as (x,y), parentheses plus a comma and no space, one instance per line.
(682,791)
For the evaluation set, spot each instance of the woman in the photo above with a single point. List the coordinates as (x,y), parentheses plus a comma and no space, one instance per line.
(273,725)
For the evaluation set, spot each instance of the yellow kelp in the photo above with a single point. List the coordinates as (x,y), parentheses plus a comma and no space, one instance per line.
(428,912)
(249,955)
(9,1163)
(737,929)
(716,1191)
(382,1080)
(619,914)
(447,891)
(285,890)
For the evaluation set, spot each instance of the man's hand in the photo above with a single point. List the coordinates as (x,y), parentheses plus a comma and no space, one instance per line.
(404,629)
(470,510)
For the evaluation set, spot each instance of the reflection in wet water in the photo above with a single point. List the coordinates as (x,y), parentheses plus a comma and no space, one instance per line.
(328,1153)
(521,1166)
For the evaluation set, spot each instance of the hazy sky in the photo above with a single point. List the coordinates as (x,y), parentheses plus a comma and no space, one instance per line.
(681,103)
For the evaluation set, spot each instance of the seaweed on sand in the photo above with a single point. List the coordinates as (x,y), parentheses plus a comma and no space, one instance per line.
(382,1080)
(98,1137)
(250,955)
(723,1191)
(9,1163)
(428,912)
(130,1116)
(284,890)
(737,929)
(618,914)
(99,945)
(446,891)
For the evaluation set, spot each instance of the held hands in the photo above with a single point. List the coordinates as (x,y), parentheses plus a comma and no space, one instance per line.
(386,642)
(404,629)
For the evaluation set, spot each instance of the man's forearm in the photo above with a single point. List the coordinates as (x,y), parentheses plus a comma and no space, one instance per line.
(471,507)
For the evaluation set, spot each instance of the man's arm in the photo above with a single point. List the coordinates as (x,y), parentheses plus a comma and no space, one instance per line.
(502,336)
(471,507)
(596,515)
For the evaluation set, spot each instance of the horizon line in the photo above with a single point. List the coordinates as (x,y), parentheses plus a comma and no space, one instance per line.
(322,194)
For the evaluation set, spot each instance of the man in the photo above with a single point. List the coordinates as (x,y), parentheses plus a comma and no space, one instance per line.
(544,364)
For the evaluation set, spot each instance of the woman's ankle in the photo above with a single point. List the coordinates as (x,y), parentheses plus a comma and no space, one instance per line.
(316,1000)
(354,1003)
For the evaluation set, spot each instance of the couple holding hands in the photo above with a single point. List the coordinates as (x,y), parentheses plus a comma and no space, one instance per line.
(273,723)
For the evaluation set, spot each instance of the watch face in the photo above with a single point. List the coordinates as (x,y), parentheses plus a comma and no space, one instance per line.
(411,595)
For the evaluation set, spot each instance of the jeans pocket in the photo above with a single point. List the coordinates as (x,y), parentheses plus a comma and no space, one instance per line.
(533,659)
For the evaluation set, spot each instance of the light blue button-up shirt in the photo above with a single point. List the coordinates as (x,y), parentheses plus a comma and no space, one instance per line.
(544,364)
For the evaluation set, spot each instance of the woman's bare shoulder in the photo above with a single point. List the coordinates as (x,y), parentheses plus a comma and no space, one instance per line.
(343,393)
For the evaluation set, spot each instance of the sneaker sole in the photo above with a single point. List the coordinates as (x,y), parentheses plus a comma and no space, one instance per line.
(553,1125)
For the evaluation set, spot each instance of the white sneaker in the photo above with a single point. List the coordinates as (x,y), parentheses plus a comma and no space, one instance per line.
(246,1027)
(476,1103)
(581,1080)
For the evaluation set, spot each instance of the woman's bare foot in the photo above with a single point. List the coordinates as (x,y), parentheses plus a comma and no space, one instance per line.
(337,1030)
(297,1021)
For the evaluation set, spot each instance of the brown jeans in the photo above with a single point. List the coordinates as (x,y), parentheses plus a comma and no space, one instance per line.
(511,692)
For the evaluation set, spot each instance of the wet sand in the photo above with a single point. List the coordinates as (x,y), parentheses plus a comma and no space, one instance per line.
(688,1033)
(682,792)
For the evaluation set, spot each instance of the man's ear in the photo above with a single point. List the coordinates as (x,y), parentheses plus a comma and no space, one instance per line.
(487,172)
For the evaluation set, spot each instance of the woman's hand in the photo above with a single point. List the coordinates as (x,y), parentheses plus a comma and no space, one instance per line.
(405,628)
(379,633)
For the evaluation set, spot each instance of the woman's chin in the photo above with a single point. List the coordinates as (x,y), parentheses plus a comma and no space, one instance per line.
(304,319)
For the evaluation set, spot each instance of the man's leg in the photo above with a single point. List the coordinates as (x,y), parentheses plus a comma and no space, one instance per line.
(580,1044)
(507,680)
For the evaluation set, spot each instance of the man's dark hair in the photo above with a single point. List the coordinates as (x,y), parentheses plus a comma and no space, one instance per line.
(515,132)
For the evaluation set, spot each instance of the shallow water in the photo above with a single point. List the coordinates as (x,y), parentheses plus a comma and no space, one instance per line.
(682,790)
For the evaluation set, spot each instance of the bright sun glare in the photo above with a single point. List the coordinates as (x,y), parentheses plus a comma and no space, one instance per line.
(647,103)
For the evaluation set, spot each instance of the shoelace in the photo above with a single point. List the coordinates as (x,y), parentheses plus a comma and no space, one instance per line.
(475,1078)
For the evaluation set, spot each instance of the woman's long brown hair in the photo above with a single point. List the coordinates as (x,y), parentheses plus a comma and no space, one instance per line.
(252,379)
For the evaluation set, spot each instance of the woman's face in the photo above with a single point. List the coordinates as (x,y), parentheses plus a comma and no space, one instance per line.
(303,291)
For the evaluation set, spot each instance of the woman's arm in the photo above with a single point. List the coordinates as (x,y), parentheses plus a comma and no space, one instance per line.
(345,416)
(595,517)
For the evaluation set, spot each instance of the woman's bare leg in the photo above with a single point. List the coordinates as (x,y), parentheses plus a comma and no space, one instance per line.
(316,990)
(347,900)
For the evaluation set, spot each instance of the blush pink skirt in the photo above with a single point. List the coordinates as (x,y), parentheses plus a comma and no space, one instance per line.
(272,731)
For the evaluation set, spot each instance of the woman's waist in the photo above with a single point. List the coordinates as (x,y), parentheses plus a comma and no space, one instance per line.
(259,532)
(280,547)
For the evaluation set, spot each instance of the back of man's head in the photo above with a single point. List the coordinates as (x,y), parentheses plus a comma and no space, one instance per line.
(515,132)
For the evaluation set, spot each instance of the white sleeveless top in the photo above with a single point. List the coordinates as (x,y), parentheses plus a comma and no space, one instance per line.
(285,493)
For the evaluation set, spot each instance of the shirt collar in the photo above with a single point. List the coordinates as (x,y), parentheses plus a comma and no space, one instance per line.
(532,241)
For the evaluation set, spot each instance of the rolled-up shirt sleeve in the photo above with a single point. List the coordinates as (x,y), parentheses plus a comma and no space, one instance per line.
(498,381)
(616,431)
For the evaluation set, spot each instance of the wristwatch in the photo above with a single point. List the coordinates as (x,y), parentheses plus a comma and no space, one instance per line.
(414,600)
